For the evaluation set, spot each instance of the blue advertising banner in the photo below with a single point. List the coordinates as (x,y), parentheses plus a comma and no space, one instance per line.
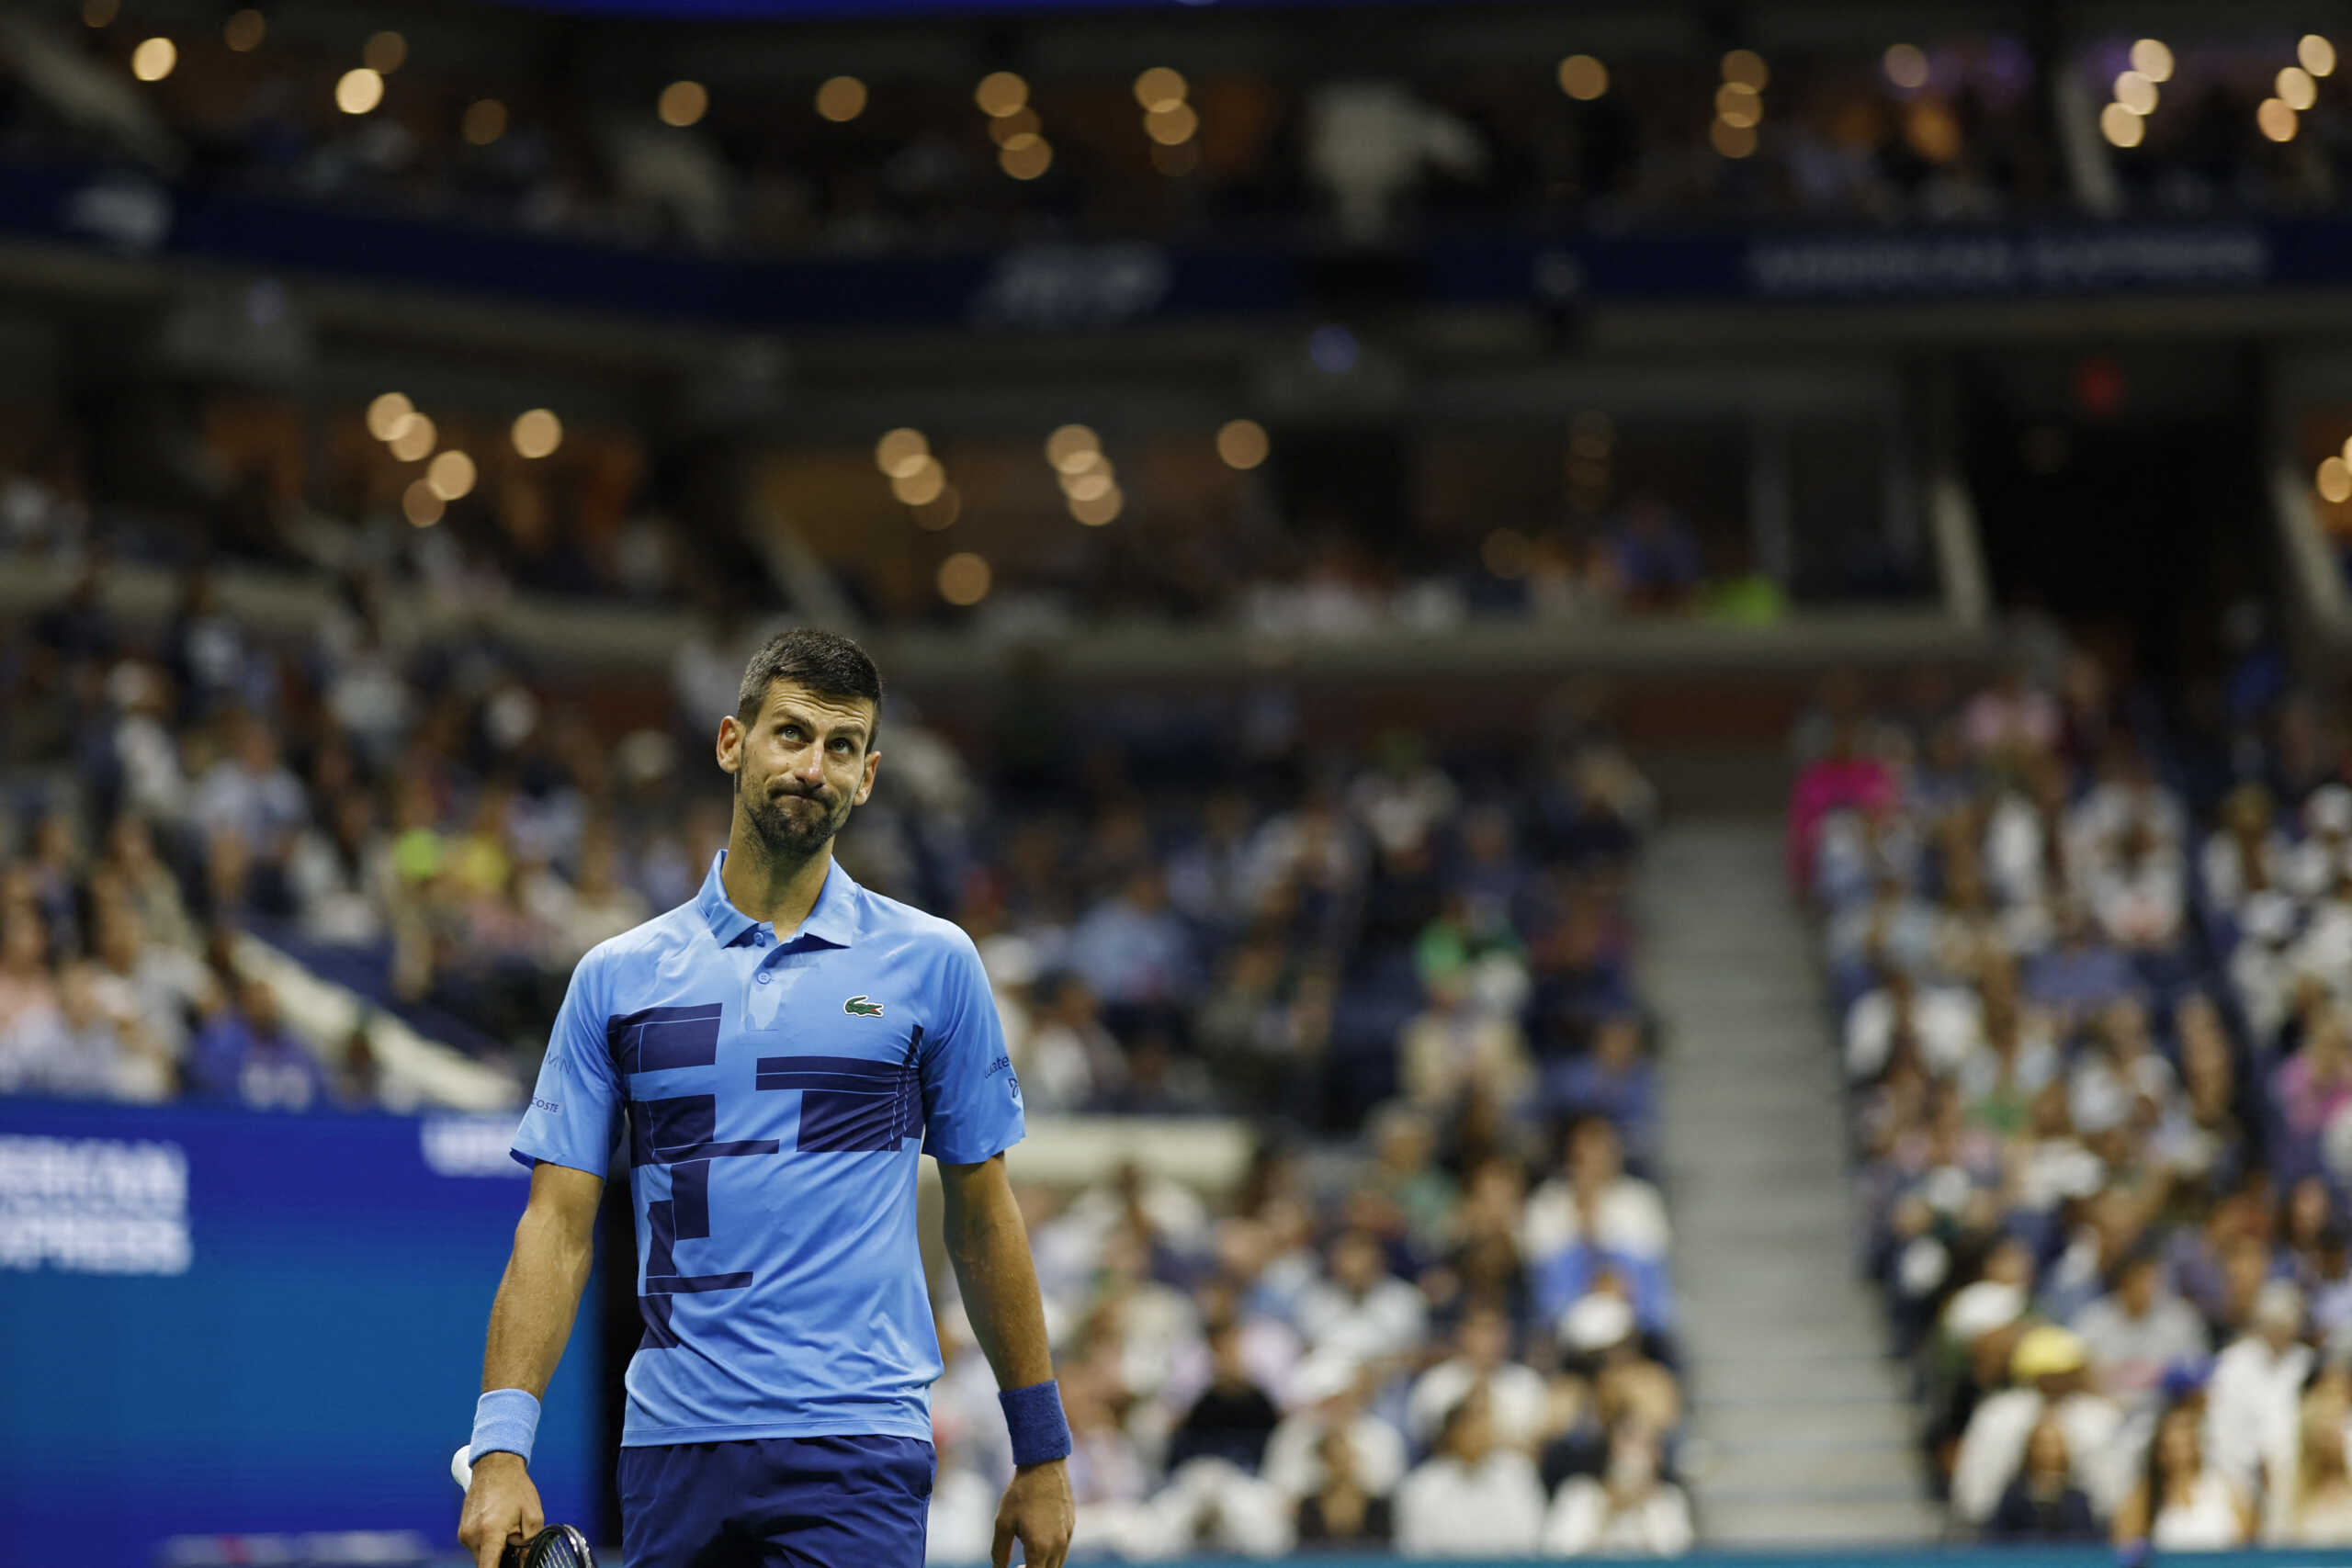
(217,1322)
(1059,286)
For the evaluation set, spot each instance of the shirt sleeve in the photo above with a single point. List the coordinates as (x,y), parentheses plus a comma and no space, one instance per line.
(972,1098)
(575,1116)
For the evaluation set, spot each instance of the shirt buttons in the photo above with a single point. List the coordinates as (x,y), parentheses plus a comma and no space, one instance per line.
(764,976)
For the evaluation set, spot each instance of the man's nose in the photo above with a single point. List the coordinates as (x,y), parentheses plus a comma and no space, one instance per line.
(809,766)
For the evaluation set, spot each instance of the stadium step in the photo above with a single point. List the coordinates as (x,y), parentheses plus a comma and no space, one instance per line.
(1799,1432)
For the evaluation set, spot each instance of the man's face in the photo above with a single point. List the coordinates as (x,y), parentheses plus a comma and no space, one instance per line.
(801,766)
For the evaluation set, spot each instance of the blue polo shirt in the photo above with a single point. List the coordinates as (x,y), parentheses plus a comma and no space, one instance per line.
(778,1093)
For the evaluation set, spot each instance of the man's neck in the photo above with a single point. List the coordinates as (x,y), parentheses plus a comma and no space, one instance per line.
(779,894)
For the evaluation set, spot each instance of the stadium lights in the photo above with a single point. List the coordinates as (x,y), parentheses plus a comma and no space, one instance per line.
(2348,450)
(2121,127)
(1242,442)
(413,438)
(2152,59)
(1072,449)
(1739,105)
(1020,122)
(1089,486)
(244,30)
(100,13)
(385,413)
(2136,93)
(1160,89)
(1171,126)
(922,484)
(964,578)
(1583,78)
(1101,509)
(1905,66)
(1746,67)
(359,90)
(420,505)
(683,103)
(2296,89)
(1000,93)
(901,452)
(1731,140)
(537,432)
(2334,480)
(451,475)
(841,98)
(1025,156)
(940,511)
(385,52)
(2277,120)
(154,59)
(484,121)
(2316,54)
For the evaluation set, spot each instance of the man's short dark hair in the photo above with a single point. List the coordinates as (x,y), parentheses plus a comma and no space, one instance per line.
(825,663)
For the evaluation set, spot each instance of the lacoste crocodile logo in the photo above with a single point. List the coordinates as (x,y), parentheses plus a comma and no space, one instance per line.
(859,1006)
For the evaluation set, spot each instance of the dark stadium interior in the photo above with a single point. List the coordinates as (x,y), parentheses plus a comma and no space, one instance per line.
(1641,710)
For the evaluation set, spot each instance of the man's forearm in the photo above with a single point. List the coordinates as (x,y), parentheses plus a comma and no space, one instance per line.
(989,1248)
(537,1297)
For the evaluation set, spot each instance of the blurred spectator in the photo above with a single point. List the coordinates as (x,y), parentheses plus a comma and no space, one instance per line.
(2043,1503)
(1627,1512)
(245,1054)
(1233,1417)
(2183,1504)
(1472,1497)
(1340,1512)
(2251,1404)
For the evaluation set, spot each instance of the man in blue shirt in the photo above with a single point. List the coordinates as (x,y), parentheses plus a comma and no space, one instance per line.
(783,1049)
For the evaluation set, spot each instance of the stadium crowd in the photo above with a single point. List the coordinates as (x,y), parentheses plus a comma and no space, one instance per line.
(1954,130)
(1439,1314)
(2092,977)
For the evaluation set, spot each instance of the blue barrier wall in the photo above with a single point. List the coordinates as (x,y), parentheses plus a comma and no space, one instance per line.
(217,1322)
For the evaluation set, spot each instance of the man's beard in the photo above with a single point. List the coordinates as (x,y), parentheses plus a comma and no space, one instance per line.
(789,831)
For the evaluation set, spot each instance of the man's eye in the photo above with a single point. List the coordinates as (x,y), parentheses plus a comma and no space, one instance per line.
(790,732)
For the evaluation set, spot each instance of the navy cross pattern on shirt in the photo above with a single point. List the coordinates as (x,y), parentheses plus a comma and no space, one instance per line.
(850,1104)
(679,1132)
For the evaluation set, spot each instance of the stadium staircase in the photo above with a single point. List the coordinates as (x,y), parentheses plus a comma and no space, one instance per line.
(1799,1429)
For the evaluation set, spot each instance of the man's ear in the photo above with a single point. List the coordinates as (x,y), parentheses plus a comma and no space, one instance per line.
(731,743)
(865,787)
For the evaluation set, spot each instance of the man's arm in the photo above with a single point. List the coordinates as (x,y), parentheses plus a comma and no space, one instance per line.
(529,1323)
(989,1248)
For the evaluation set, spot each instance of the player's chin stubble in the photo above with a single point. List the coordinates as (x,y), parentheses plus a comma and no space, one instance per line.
(787,831)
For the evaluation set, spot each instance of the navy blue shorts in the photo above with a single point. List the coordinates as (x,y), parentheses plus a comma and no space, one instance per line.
(776,1503)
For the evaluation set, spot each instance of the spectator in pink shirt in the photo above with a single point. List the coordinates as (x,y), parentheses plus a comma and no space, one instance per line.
(1842,778)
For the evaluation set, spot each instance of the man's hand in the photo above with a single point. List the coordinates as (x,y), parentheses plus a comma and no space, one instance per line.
(1037,1511)
(502,1506)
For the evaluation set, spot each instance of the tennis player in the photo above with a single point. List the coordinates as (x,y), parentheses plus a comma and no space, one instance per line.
(784,1048)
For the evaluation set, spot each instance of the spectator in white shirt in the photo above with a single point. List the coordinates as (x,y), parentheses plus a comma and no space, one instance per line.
(1627,1512)
(1359,1309)
(1594,1202)
(2048,1369)
(2136,1330)
(1472,1498)
(1517,1398)
(2246,854)
(1329,1394)
(2251,1401)
(1948,1022)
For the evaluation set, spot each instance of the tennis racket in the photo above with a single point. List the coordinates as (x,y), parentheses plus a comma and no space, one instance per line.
(558,1546)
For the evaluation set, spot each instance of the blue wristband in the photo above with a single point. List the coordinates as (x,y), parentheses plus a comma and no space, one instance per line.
(1034,1415)
(506,1420)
